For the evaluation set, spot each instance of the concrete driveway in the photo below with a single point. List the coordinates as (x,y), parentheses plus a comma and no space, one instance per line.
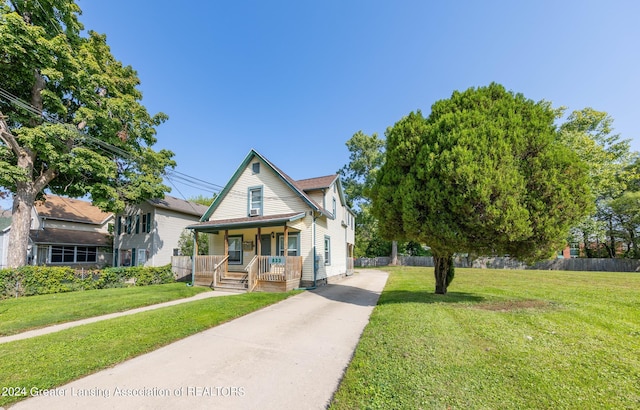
(290,355)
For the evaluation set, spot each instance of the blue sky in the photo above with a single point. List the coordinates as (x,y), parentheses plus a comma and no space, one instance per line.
(296,79)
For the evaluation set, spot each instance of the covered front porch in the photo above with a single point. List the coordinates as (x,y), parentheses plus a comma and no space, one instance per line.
(262,274)
(250,254)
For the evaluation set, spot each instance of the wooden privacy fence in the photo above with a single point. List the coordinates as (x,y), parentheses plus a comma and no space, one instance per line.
(573,264)
(181,266)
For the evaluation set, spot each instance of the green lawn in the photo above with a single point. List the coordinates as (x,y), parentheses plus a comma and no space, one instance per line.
(25,313)
(52,360)
(500,339)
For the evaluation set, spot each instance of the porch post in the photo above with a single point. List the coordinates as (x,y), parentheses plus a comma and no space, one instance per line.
(259,242)
(286,240)
(226,250)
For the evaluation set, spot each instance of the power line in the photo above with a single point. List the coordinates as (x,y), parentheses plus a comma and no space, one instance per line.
(188,180)
(171,176)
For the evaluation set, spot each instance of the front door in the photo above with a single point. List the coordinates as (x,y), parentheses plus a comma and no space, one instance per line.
(265,245)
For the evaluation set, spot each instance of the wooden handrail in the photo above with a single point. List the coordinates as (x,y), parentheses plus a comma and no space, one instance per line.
(250,264)
(216,270)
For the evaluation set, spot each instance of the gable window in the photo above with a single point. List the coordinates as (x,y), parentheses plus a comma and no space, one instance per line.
(235,250)
(293,245)
(255,167)
(255,201)
(327,250)
(334,207)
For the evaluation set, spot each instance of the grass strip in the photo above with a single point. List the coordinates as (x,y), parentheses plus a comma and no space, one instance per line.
(52,360)
(33,312)
(500,339)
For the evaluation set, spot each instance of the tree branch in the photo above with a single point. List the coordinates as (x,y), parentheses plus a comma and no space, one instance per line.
(7,137)
(43,180)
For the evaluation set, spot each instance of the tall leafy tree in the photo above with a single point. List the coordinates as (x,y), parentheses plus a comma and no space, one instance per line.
(485,173)
(366,153)
(589,133)
(71,118)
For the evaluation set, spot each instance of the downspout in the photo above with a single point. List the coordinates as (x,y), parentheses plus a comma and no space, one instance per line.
(193,258)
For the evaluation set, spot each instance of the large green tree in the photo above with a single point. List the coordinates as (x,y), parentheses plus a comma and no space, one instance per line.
(366,153)
(71,118)
(485,173)
(589,133)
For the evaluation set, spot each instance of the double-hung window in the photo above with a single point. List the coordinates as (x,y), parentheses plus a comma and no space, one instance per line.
(255,201)
(146,222)
(292,245)
(327,250)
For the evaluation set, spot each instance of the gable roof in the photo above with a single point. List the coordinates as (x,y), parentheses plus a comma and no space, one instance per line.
(179,205)
(321,183)
(312,184)
(70,209)
(68,237)
(292,184)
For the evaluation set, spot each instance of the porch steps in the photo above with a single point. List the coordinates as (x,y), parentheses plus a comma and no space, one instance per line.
(234,281)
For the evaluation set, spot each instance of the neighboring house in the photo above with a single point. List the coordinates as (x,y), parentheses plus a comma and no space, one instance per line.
(66,232)
(262,215)
(5,225)
(148,234)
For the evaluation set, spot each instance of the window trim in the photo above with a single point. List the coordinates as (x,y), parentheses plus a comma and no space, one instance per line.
(327,250)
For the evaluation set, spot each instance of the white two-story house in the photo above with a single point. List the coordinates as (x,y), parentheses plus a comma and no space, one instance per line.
(148,234)
(276,233)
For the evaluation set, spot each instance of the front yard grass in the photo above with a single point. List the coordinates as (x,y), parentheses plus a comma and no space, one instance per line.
(32,312)
(52,360)
(501,339)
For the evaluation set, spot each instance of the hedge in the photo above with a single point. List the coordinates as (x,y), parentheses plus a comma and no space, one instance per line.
(40,280)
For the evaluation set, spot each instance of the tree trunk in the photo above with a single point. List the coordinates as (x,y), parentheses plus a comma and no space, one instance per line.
(394,253)
(28,189)
(20,225)
(443,271)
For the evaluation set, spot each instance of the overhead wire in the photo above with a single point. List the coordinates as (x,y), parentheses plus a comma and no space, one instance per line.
(185,179)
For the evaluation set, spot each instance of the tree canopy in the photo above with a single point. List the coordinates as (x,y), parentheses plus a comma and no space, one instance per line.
(611,174)
(485,173)
(71,118)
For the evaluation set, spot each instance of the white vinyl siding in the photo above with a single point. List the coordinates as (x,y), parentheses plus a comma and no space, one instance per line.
(158,234)
(278,198)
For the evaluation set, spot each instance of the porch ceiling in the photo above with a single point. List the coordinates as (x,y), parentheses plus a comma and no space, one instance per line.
(248,222)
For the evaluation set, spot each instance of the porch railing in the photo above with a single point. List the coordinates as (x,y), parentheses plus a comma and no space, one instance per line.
(273,269)
(209,269)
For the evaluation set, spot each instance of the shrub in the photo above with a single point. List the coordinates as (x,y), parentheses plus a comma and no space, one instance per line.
(10,283)
(40,280)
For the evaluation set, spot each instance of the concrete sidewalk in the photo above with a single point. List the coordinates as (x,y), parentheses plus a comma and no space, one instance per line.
(290,355)
(62,326)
